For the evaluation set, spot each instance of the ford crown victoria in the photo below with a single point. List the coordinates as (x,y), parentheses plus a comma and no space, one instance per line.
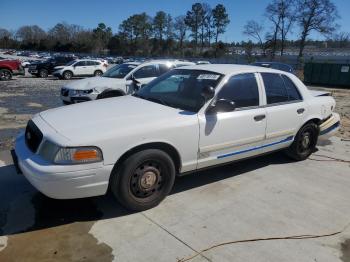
(187,119)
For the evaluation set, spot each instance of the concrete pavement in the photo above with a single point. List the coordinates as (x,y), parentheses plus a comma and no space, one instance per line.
(258,198)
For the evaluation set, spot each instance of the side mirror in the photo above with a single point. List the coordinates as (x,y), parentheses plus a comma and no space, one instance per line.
(134,80)
(223,105)
(208,92)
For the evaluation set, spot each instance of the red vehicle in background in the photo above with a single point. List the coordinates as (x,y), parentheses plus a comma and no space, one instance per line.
(8,68)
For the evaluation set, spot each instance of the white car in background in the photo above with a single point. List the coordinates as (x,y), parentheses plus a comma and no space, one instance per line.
(187,119)
(117,81)
(80,67)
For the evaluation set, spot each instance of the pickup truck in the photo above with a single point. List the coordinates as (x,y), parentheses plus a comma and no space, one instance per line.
(189,118)
(9,68)
(45,68)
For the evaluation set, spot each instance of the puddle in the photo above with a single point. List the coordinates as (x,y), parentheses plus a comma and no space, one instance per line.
(60,233)
(345,249)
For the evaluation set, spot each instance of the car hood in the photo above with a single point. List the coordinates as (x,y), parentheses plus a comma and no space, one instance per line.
(88,122)
(93,82)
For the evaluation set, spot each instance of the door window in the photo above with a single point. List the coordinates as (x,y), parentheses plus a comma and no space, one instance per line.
(241,89)
(275,89)
(146,71)
(292,90)
(164,68)
(81,63)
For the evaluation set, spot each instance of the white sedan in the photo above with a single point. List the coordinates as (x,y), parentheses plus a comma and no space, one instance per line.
(188,119)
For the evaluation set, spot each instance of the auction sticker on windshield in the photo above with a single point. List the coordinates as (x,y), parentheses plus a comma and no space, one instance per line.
(208,77)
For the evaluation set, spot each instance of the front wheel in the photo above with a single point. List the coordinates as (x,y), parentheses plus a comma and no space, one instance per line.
(43,73)
(5,74)
(67,75)
(304,142)
(144,179)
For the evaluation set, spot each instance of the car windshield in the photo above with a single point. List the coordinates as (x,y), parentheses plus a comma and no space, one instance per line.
(180,88)
(70,63)
(119,71)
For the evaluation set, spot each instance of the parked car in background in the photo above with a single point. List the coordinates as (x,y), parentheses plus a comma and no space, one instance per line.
(80,67)
(187,119)
(117,81)
(275,65)
(46,68)
(202,63)
(9,68)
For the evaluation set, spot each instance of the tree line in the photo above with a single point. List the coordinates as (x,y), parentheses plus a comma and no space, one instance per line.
(195,33)
(304,16)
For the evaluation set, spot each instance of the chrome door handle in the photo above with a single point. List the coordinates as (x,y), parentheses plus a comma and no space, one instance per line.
(259,117)
(300,111)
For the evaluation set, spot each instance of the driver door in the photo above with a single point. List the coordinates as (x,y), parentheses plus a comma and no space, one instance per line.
(227,136)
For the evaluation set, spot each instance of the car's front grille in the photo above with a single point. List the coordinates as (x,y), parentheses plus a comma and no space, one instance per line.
(33,136)
(33,67)
(64,92)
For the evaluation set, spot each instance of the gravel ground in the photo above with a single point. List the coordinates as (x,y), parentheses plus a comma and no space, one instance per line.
(24,96)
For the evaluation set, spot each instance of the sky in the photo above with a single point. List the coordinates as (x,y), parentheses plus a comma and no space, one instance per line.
(89,13)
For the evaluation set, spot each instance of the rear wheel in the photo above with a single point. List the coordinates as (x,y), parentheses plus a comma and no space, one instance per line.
(144,179)
(67,75)
(5,74)
(43,73)
(98,73)
(304,142)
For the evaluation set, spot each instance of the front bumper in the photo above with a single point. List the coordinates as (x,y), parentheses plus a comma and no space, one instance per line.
(59,181)
(329,127)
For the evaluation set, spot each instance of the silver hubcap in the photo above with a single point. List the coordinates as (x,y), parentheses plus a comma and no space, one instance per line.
(306,141)
(148,179)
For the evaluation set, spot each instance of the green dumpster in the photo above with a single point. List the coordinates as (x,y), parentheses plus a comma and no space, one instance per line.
(327,74)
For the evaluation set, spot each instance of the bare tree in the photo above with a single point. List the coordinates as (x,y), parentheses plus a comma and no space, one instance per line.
(255,30)
(273,14)
(315,15)
(287,12)
(30,34)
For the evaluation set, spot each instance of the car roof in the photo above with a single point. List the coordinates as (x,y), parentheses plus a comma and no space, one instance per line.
(164,61)
(228,69)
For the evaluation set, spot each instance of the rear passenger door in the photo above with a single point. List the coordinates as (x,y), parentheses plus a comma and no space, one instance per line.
(91,66)
(285,109)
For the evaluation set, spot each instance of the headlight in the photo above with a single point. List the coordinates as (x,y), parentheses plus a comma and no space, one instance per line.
(70,155)
(82,92)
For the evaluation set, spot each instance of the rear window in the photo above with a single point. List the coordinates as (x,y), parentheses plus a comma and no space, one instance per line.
(279,88)
(275,90)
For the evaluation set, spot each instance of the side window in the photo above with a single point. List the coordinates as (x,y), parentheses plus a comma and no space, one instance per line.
(146,71)
(292,90)
(81,63)
(241,89)
(275,90)
(164,68)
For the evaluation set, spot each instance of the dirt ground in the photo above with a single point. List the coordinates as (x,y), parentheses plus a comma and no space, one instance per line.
(22,97)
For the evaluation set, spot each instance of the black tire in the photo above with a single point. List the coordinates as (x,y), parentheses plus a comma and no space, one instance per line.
(98,73)
(67,75)
(304,143)
(66,103)
(43,73)
(109,93)
(5,74)
(143,180)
